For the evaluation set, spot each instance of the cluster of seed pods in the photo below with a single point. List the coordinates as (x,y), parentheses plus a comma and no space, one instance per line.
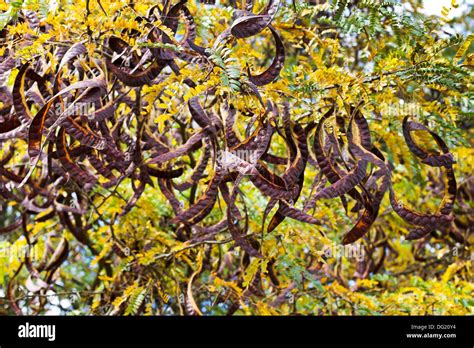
(68,155)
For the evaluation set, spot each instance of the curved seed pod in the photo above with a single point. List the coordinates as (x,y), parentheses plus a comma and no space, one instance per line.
(208,232)
(126,144)
(224,190)
(249,88)
(6,98)
(273,71)
(172,17)
(11,292)
(32,18)
(412,217)
(10,175)
(294,175)
(363,127)
(151,142)
(204,212)
(169,195)
(250,143)
(269,175)
(115,158)
(276,219)
(197,112)
(256,144)
(35,131)
(101,168)
(190,36)
(191,305)
(198,172)
(380,193)
(298,166)
(191,33)
(137,193)
(19,100)
(251,25)
(121,48)
(165,174)
(215,121)
(414,148)
(249,5)
(12,129)
(117,45)
(296,214)
(59,256)
(367,155)
(426,222)
(10,228)
(333,144)
(231,137)
(204,204)
(137,79)
(72,53)
(362,226)
(247,26)
(7,65)
(233,162)
(419,233)
(35,286)
(444,160)
(8,156)
(180,151)
(69,166)
(233,224)
(324,162)
(41,81)
(272,190)
(83,135)
(35,97)
(79,233)
(364,152)
(273,159)
(450,193)
(346,183)
(60,51)
(288,131)
(104,113)
(262,141)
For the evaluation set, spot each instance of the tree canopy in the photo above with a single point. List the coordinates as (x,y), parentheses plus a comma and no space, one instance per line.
(258,157)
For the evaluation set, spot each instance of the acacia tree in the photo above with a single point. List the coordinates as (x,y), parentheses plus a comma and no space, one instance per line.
(248,157)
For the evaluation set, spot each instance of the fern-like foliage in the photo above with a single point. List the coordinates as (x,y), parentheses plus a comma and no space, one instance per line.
(221,58)
(340,7)
(438,74)
(135,301)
